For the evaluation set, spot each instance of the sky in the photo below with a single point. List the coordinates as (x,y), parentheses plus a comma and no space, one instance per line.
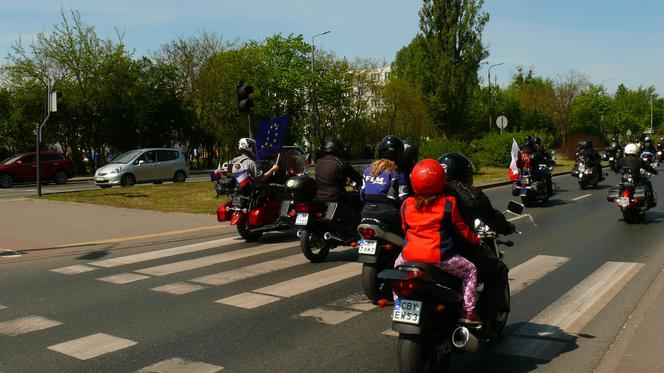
(610,41)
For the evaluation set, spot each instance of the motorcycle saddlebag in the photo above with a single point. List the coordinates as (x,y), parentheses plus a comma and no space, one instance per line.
(301,188)
(341,217)
(222,214)
(264,214)
(640,192)
(613,193)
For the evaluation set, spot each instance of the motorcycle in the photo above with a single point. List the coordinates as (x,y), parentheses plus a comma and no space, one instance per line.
(252,208)
(531,191)
(612,156)
(322,226)
(378,249)
(650,158)
(660,155)
(588,176)
(428,307)
(632,198)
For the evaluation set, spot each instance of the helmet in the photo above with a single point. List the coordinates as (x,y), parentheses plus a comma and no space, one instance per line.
(647,139)
(247,144)
(527,140)
(390,147)
(632,149)
(410,151)
(538,140)
(334,146)
(428,177)
(585,144)
(458,167)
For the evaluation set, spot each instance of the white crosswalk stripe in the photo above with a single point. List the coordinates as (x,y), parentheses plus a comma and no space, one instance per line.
(74,270)
(532,270)
(92,346)
(27,324)
(340,310)
(179,365)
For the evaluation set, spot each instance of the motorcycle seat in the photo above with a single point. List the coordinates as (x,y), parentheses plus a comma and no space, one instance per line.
(437,274)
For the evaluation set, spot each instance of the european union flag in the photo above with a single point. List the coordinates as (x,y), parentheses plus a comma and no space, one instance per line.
(270,137)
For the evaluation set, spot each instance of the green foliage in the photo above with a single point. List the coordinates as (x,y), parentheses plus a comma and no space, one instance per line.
(494,149)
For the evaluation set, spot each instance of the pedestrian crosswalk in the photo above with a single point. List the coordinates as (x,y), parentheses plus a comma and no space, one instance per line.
(282,274)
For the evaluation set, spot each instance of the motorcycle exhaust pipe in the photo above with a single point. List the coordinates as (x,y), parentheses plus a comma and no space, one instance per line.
(329,236)
(299,233)
(464,340)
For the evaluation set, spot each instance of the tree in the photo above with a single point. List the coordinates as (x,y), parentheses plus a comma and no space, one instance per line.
(590,112)
(566,88)
(444,59)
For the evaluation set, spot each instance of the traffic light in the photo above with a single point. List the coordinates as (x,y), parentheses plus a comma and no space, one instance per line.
(244,103)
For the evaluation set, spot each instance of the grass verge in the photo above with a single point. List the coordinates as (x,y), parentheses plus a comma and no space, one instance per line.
(197,197)
(488,175)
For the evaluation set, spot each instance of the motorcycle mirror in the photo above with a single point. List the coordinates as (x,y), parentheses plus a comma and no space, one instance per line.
(478,222)
(515,208)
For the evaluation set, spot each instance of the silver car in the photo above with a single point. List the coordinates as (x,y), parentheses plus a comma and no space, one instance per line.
(143,166)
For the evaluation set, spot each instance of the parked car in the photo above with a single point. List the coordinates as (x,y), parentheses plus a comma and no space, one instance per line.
(22,168)
(144,166)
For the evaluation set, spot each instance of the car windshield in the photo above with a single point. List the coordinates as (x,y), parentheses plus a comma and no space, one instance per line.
(126,157)
(11,159)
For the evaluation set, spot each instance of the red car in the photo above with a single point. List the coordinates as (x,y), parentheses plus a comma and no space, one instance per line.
(22,168)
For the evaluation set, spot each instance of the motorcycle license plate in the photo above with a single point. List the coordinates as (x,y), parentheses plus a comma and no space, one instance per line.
(302,218)
(237,201)
(407,311)
(623,201)
(368,247)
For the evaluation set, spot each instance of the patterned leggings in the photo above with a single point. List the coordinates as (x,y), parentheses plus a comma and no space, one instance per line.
(460,267)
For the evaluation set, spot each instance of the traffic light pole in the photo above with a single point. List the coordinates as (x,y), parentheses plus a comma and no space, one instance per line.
(249,121)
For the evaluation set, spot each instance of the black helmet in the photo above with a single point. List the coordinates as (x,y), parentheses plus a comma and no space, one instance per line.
(410,151)
(527,139)
(458,167)
(538,141)
(647,139)
(584,144)
(390,147)
(334,146)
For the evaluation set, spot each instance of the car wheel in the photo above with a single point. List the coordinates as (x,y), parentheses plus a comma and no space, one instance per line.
(6,181)
(104,186)
(128,180)
(60,177)
(180,177)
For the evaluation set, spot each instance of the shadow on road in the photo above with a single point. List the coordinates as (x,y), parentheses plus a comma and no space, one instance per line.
(94,255)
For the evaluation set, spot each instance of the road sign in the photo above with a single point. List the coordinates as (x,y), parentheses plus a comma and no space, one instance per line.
(501,122)
(629,132)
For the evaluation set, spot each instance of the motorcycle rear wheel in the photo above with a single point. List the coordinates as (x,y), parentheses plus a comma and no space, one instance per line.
(631,216)
(247,234)
(413,355)
(374,288)
(314,250)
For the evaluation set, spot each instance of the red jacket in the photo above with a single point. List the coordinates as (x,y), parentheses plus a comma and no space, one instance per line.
(429,230)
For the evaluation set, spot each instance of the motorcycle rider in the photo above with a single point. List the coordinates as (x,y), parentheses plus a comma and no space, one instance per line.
(474,204)
(587,149)
(245,161)
(430,219)
(411,153)
(648,146)
(332,172)
(635,165)
(660,144)
(531,159)
(385,186)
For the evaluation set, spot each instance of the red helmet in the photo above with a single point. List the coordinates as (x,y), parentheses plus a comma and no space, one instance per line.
(428,177)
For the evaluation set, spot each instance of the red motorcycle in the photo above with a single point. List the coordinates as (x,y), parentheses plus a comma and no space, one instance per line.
(253,208)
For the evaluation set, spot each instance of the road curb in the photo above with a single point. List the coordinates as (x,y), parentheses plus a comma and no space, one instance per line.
(508,182)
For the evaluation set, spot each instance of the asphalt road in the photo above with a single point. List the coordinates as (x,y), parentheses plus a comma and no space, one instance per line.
(75,185)
(576,274)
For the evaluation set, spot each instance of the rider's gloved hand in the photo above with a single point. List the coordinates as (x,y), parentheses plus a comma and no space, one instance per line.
(512,228)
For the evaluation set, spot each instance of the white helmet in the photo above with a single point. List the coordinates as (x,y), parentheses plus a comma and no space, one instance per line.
(631,149)
(247,144)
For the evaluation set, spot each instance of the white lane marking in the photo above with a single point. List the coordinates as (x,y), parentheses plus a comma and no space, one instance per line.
(311,282)
(570,314)
(248,300)
(343,309)
(580,197)
(179,288)
(534,348)
(26,325)
(243,273)
(164,253)
(390,333)
(187,265)
(532,270)
(122,278)
(74,270)
(13,200)
(2,307)
(178,365)
(92,346)
(328,316)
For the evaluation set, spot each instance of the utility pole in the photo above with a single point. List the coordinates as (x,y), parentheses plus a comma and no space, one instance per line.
(51,105)
(489,80)
(314,107)
(651,118)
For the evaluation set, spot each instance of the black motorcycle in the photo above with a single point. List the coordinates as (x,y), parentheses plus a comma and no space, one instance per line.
(532,190)
(589,176)
(612,156)
(322,226)
(633,198)
(378,249)
(428,307)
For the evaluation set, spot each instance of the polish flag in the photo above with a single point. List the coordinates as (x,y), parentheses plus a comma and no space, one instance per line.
(242,178)
(513,171)
(217,173)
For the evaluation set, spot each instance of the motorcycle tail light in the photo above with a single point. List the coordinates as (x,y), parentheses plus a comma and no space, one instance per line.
(382,303)
(353,244)
(367,233)
(635,200)
(292,213)
(387,246)
(319,214)
(440,308)
(304,207)
(405,288)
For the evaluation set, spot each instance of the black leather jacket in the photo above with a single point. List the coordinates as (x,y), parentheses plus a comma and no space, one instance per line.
(474,204)
(331,175)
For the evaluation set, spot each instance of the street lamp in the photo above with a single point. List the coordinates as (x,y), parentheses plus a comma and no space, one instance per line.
(489,78)
(314,111)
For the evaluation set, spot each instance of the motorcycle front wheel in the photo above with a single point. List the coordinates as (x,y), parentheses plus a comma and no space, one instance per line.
(246,233)
(315,250)
(499,323)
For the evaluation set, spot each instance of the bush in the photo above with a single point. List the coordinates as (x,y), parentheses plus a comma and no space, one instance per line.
(436,147)
(495,149)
